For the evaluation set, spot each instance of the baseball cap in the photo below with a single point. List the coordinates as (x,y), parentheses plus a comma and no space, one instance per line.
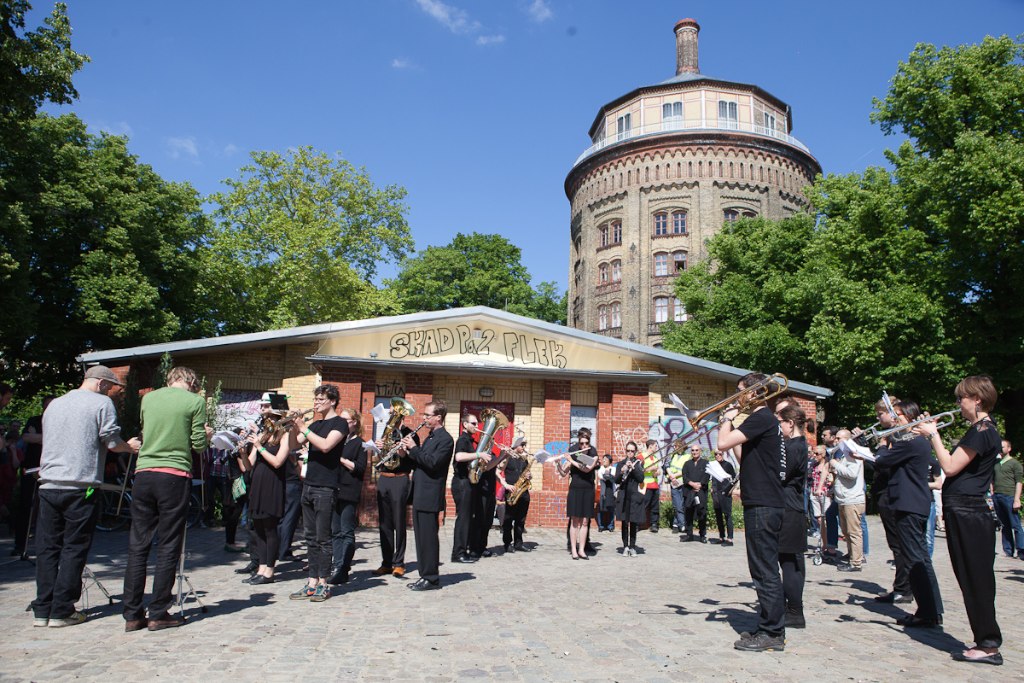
(104,373)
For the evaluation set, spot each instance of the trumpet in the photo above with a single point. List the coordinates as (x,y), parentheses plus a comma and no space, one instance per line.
(286,422)
(942,420)
(385,461)
(758,392)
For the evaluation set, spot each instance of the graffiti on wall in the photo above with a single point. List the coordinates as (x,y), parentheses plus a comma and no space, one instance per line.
(528,349)
(392,388)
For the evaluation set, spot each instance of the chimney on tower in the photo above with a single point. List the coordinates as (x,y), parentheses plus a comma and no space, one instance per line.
(686,46)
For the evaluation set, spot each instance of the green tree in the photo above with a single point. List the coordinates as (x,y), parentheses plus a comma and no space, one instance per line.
(103,251)
(475,270)
(299,239)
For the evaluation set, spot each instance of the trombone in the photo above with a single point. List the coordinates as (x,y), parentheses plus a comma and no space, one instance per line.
(758,392)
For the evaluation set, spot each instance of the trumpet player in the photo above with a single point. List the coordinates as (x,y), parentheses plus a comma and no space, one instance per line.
(515,468)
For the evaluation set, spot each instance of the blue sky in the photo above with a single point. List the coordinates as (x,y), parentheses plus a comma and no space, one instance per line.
(477,107)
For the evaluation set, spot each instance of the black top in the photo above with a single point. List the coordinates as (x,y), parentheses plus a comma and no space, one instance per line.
(629,502)
(350,484)
(907,464)
(763,466)
(696,470)
(984,439)
(796,473)
(266,494)
(578,479)
(404,464)
(720,487)
(432,460)
(323,467)
(514,468)
(464,444)
(33,451)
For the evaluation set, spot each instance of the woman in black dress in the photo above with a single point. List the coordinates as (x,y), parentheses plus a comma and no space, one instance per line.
(580,503)
(266,497)
(629,502)
(970,527)
(793,539)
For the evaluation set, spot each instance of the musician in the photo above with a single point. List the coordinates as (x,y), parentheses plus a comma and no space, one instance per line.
(174,422)
(762,471)
(580,502)
(606,502)
(483,501)
(695,485)
(629,503)
(793,537)
(264,425)
(905,460)
(346,502)
(266,462)
(462,489)
(721,498)
(674,472)
(849,496)
(970,529)
(326,438)
(80,427)
(652,486)
(509,472)
(393,489)
(432,460)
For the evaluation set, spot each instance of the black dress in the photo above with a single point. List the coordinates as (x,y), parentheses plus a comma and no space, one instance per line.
(266,496)
(793,537)
(581,490)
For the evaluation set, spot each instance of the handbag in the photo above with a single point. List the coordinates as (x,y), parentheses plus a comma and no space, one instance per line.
(238,488)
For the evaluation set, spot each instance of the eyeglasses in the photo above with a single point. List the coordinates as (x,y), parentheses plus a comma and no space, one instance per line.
(321,399)
(428,414)
(631,450)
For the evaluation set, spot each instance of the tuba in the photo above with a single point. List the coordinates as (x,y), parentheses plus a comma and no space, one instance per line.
(493,420)
(392,434)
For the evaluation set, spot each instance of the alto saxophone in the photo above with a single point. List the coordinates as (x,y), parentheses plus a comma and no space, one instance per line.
(522,485)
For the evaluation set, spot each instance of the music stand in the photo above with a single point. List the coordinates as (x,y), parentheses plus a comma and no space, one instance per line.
(89,578)
(183,580)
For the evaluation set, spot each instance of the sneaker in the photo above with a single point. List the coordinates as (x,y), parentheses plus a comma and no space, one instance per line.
(72,619)
(304,593)
(761,642)
(321,593)
(40,622)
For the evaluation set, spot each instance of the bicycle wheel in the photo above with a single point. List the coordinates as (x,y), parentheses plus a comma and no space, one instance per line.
(112,519)
(195,511)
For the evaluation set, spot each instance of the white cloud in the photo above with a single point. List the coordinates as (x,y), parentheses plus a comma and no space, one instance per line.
(230,150)
(539,11)
(119,128)
(182,147)
(402,63)
(453,18)
(490,40)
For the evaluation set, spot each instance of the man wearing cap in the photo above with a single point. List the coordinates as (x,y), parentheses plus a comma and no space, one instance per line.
(510,471)
(173,425)
(80,427)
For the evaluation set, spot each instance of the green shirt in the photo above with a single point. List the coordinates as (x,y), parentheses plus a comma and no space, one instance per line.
(173,424)
(1006,476)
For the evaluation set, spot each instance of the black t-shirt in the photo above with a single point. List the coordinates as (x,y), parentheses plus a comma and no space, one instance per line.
(796,473)
(934,470)
(33,451)
(464,444)
(323,467)
(763,467)
(514,468)
(984,439)
(578,479)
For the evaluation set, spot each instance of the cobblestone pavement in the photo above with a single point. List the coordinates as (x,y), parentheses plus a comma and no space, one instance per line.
(672,612)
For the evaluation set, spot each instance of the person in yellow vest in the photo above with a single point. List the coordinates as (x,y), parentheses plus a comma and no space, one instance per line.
(674,471)
(652,485)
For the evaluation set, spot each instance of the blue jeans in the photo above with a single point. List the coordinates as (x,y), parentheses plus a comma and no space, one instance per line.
(864,530)
(343,532)
(763,526)
(930,533)
(1010,520)
(678,497)
(64,533)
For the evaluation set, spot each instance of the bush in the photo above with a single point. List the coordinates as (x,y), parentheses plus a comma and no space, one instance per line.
(668,514)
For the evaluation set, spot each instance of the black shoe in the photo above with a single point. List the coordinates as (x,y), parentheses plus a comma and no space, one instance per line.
(894,598)
(474,555)
(521,548)
(654,529)
(247,569)
(260,580)
(686,539)
(338,576)
(727,542)
(465,558)
(994,658)
(510,548)
(424,585)
(914,621)
(795,618)
(486,553)
(288,557)
(760,642)
(703,539)
(716,541)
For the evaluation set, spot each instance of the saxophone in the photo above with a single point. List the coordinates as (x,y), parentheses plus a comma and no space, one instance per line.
(522,485)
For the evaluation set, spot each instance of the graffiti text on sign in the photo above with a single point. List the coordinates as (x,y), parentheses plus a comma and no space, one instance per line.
(390,389)
(526,348)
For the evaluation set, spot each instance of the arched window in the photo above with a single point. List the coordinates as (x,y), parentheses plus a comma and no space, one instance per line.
(678,310)
(603,231)
(616,314)
(678,222)
(679,261)
(661,223)
(602,317)
(660,264)
(616,270)
(733,215)
(660,309)
(602,271)
(616,232)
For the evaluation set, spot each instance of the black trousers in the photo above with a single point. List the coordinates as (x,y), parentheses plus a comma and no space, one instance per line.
(266,541)
(230,512)
(762,526)
(26,502)
(970,537)
(392,496)
(290,520)
(428,549)
(317,511)
(912,529)
(794,575)
(515,520)
(723,516)
(64,532)
(484,502)
(462,493)
(901,582)
(159,506)
(652,503)
(628,534)
(698,510)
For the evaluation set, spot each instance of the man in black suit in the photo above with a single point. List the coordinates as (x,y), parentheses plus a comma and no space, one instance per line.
(695,483)
(907,461)
(432,460)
